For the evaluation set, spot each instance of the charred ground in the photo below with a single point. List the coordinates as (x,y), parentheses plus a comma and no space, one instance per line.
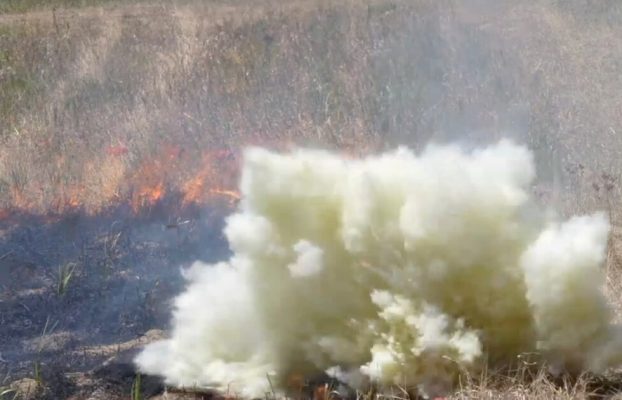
(79,289)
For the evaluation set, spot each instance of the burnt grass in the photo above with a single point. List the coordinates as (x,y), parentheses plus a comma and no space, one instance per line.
(126,270)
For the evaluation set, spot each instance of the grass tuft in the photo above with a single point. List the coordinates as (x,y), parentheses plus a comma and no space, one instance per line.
(136,393)
(65,273)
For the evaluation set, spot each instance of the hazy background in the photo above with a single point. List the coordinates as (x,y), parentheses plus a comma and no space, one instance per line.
(93,97)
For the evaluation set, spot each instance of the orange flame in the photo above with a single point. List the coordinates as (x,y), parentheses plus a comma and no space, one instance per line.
(148,196)
(193,189)
(217,174)
(233,195)
(197,177)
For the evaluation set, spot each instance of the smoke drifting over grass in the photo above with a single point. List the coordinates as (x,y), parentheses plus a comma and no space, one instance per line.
(400,269)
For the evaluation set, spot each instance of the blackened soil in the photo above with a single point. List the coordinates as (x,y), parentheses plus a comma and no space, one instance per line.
(77,290)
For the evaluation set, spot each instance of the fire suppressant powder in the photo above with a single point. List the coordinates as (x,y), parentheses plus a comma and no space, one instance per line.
(398,269)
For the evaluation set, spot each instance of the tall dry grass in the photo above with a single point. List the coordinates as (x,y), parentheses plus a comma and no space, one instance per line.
(91,96)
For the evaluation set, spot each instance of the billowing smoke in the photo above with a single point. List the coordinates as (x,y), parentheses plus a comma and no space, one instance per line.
(399,269)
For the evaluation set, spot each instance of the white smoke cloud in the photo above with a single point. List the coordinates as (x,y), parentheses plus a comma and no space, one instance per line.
(398,269)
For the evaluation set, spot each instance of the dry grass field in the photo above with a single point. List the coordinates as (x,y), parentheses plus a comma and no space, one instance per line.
(119,105)
(93,97)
